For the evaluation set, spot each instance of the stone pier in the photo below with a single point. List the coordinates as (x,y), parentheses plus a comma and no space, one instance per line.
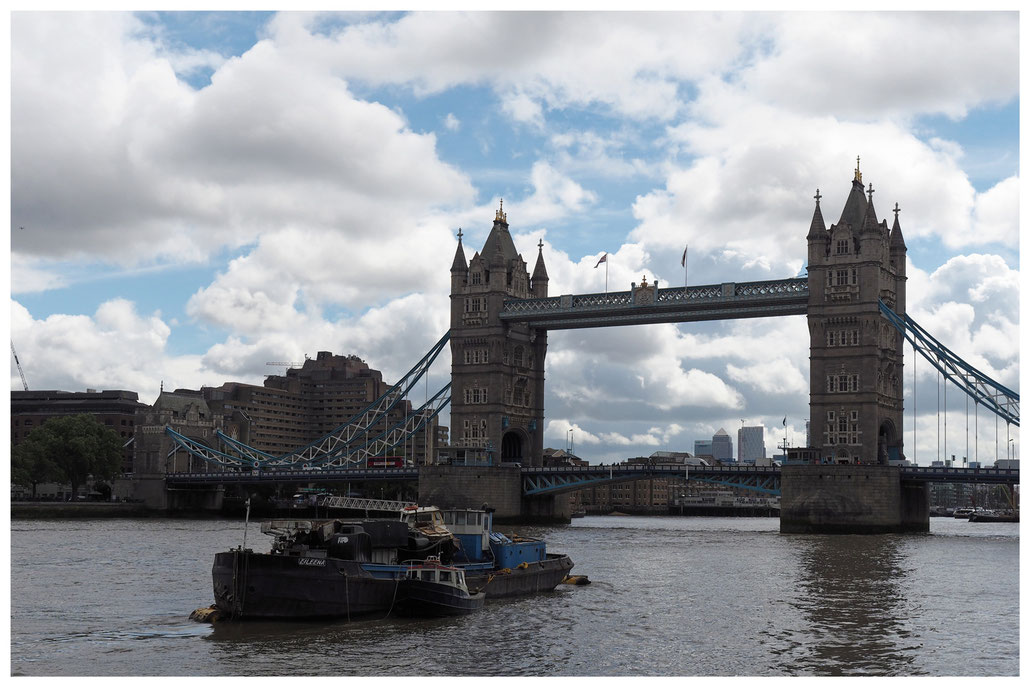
(500,488)
(851,499)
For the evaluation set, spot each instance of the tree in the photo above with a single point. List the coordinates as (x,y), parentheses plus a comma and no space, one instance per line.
(77,446)
(30,466)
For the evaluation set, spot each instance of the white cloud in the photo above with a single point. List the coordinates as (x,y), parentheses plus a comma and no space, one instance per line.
(158,170)
(876,64)
(451,123)
(115,348)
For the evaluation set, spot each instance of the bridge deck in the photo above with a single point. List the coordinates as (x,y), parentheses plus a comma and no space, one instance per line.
(538,481)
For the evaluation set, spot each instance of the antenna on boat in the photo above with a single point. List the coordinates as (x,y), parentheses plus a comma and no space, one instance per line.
(246,523)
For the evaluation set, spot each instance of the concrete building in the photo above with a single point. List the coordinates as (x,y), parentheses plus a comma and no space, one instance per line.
(750,444)
(114,409)
(703,449)
(722,447)
(306,403)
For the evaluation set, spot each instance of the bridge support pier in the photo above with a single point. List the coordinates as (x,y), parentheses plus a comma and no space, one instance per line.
(155,495)
(500,488)
(851,499)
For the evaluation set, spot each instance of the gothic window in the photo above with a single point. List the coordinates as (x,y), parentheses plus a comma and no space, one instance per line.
(843,247)
(842,428)
(475,304)
(831,337)
(841,383)
(477,277)
(474,395)
(518,358)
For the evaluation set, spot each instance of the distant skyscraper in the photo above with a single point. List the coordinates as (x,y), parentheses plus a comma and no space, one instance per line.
(722,446)
(702,447)
(750,444)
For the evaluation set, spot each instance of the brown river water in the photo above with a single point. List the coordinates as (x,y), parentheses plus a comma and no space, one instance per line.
(670,596)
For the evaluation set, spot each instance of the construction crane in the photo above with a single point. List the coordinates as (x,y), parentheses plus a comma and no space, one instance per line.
(18,364)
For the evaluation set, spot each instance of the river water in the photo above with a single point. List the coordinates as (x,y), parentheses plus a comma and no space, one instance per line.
(669,596)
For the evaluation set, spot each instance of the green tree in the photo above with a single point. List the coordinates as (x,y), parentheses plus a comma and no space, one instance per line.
(30,466)
(77,446)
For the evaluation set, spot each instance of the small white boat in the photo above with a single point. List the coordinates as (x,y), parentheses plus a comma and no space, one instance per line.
(430,588)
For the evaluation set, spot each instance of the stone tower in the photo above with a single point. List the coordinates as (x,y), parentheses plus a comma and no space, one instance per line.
(497,369)
(856,354)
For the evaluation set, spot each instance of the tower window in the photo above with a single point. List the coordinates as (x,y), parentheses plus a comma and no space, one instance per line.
(843,247)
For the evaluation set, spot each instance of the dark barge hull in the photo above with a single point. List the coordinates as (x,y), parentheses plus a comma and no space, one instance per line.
(265,586)
(541,576)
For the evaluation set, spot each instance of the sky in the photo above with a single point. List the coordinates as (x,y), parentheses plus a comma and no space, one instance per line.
(194,195)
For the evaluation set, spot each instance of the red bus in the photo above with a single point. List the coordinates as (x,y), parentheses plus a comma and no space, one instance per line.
(385,461)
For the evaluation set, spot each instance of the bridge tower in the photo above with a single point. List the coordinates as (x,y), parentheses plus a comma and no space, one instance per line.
(856,362)
(497,368)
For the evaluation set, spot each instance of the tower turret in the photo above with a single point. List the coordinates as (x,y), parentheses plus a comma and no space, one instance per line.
(540,279)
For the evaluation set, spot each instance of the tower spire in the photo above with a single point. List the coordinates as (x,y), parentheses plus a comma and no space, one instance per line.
(459,265)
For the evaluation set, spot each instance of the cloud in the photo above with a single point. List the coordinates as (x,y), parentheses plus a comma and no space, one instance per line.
(877,64)
(160,171)
(115,348)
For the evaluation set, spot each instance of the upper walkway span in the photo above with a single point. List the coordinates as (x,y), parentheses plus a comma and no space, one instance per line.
(679,304)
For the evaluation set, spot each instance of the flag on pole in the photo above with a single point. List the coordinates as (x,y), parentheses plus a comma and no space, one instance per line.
(683,260)
(784,420)
(604,258)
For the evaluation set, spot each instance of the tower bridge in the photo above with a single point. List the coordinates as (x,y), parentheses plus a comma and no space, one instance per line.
(854,298)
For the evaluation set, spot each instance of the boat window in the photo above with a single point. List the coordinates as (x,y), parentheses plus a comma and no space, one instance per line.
(427,575)
(445,576)
(459,518)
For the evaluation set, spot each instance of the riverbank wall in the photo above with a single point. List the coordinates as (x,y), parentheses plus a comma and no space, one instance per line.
(38,510)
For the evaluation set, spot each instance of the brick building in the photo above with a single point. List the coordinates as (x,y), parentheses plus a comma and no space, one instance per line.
(114,409)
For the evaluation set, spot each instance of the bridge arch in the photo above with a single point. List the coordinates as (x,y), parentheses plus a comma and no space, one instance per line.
(887,442)
(514,445)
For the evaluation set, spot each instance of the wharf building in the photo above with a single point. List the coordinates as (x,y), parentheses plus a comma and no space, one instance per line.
(654,495)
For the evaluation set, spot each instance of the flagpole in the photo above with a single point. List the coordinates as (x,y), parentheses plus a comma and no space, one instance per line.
(606,275)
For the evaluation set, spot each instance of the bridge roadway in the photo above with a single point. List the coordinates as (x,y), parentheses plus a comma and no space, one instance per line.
(540,481)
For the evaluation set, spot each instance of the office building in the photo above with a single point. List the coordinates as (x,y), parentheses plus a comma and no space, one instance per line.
(750,444)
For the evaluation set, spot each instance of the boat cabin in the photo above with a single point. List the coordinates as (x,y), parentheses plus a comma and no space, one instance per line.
(436,573)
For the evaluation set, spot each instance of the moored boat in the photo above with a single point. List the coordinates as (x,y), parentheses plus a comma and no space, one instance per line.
(502,566)
(315,569)
(430,588)
(994,516)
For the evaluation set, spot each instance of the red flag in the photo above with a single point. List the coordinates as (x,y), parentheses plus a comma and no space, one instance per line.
(604,258)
